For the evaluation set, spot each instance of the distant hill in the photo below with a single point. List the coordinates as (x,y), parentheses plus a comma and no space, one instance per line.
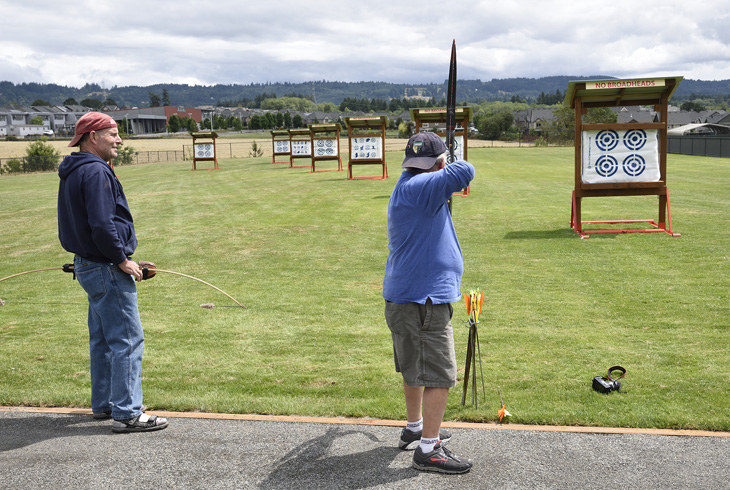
(471,91)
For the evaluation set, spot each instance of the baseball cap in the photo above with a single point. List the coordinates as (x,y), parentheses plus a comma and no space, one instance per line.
(422,150)
(91,121)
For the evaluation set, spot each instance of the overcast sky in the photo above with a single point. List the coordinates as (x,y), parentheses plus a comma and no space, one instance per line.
(132,42)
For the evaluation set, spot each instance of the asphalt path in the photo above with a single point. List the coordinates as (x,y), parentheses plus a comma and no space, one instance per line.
(68,449)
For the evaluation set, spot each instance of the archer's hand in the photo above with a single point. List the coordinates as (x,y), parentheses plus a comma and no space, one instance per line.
(132,268)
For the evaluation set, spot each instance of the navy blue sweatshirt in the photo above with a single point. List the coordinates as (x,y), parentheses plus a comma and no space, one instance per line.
(94,221)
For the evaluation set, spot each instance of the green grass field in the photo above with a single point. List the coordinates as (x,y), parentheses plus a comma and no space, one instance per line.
(306,254)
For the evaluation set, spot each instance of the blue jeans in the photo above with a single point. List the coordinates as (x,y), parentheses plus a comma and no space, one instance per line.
(116,339)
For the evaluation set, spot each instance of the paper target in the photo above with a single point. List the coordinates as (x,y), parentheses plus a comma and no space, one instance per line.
(301,148)
(281,146)
(620,156)
(366,148)
(204,150)
(325,147)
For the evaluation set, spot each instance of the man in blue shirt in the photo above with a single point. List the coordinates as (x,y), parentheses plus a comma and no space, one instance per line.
(422,279)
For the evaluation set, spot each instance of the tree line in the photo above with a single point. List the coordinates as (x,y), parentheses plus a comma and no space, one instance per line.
(712,93)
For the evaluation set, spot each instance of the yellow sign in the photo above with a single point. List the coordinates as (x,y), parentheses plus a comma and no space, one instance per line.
(608,84)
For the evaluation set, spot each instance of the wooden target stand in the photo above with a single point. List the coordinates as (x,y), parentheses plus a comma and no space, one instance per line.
(366,138)
(300,145)
(597,147)
(434,120)
(325,145)
(281,146)
(204,149)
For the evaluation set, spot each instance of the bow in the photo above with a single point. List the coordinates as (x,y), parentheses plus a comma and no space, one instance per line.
(451,108)
(148,272)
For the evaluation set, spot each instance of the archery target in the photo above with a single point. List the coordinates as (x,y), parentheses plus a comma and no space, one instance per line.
(281,146)
(204,150)
(366,148)
(620,156)
(458,148)
(325,147)
(301,148)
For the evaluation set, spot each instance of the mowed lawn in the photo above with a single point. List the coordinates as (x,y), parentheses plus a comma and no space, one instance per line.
(306,253)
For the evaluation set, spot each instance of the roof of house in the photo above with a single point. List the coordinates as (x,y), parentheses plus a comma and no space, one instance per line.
(699,128)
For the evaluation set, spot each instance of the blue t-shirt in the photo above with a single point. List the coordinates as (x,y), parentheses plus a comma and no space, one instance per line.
(424,259)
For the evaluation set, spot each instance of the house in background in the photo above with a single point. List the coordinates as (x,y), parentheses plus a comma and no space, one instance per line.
(151,120)
(61,120)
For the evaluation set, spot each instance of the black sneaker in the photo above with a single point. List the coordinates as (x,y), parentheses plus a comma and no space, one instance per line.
(440,460)
(408,438)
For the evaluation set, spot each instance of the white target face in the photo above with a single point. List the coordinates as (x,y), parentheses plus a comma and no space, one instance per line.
(301,148)
(366,148)
(281,146)
(620,156)
(325,147)
(204,150)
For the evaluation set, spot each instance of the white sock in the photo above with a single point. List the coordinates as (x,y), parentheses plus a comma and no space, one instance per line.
(416,426)
(428,444)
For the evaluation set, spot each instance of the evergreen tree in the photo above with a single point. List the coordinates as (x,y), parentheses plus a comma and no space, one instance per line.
(154,99)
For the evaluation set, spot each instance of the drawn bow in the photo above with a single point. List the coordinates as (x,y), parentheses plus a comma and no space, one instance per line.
(148,272)
(451,109)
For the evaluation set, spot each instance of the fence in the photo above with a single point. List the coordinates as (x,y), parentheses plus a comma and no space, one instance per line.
(706,146)
(158,156)
(244,149)
(239,149)
(46,163)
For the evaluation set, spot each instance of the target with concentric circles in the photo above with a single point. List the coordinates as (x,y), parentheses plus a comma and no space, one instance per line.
(606,165)
(607,139)
(634,165)
(635,139)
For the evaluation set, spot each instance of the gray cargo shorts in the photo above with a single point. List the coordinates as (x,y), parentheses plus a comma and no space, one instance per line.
(423,343)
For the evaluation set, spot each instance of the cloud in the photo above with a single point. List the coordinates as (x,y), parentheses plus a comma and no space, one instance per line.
(233,42)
